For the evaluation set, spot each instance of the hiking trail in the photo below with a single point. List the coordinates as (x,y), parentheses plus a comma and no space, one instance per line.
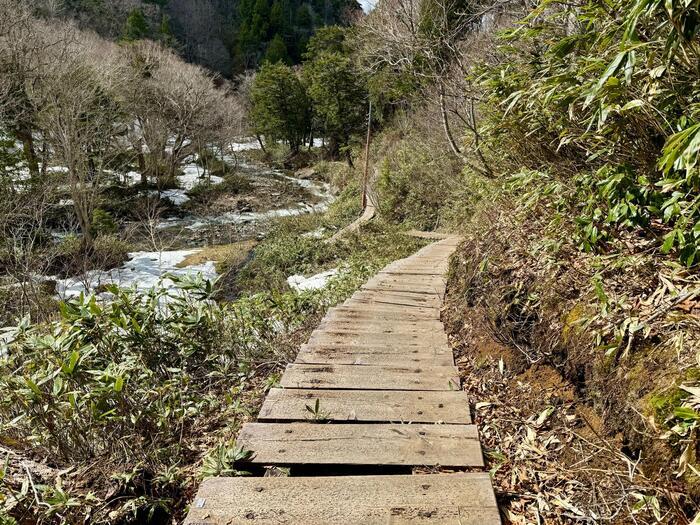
(369,419)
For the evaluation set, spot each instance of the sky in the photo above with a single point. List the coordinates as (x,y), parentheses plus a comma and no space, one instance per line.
(367,5)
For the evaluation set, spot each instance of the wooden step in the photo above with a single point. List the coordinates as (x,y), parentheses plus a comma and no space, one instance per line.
(427,299)
(287,444)
(397,302)
(446,499)
(347,318)
(370,377)
(378,339)
(420,281)
(377,335)
(397,327)
(413,289)
(355,356)
(383,311)
(289,404)
(415,271)
(429,350)
(377,358)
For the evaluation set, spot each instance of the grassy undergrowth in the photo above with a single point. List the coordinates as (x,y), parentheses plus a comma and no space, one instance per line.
(114,412)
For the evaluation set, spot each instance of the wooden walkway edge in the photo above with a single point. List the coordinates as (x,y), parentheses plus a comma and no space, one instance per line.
(372,400)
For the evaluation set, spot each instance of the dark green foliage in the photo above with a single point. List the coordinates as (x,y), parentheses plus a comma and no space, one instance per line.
(277,51)
(136,26)
(263,23)
(103,222)
(336,88)
(228,36)
(280,109)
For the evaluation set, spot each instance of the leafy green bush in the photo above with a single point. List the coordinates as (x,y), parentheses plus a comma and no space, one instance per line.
(103,222)
(609,90)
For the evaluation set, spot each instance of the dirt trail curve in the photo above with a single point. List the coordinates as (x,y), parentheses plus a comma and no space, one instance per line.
(370,419)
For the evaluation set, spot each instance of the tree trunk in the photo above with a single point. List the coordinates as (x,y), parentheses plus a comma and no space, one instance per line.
(333,148)
(262,146)
(25,136)
(451,140)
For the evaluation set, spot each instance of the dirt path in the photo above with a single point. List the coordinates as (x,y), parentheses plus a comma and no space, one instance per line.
(367,419)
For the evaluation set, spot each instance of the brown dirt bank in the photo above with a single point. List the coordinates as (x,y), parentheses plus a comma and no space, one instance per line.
(575,364)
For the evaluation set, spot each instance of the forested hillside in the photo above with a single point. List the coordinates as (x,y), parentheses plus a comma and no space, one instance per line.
(227,36)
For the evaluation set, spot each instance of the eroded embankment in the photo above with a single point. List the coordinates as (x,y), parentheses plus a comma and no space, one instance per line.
(572,411)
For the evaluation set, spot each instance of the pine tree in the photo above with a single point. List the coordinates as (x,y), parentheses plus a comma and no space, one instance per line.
(277,51)
(136,26)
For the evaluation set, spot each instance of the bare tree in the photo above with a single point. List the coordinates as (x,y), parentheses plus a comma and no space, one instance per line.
(80,115)
(177,109)
(429,41)
(23,49)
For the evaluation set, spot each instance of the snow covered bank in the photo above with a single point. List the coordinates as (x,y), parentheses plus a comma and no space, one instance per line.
(144,270)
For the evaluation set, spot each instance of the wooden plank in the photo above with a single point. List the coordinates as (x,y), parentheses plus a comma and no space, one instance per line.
(423,298)
(360,356)
(379,339)
(409,280)
(369,377)
(394,299)
(289,404)
(387,311)
(363,311)
(339,315)
(385,327)
(446,499)
(361,444)
(377,335)
(430,349)
(428,272)
(408,288)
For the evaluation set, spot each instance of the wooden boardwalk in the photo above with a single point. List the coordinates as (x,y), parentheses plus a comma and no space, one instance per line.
(372,400)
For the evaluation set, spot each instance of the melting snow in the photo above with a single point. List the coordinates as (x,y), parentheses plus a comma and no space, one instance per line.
(144,270)
(315,282)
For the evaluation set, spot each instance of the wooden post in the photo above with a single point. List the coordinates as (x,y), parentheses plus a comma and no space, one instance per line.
(365,178)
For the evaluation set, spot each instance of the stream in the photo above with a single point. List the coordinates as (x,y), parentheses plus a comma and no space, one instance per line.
(229,218)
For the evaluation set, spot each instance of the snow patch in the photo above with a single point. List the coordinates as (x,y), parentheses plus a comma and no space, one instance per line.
(143,270)
(300,283)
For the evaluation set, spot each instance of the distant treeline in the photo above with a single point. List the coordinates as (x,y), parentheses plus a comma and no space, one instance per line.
(228,36)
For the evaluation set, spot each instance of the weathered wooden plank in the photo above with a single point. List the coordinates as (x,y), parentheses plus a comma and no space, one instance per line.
(420,281)
(395,327)
(379,339)
(290,404)
(369,377)
(421,298)
(363,308)
(432,348)
(361,444)
(370,318)
(446,499)
(384,312)
(428,272)
(394,299)
(406,288)
(374,356)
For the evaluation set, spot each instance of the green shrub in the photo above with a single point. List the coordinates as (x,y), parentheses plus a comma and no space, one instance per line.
(612,95)
(103,222)
(417,186)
